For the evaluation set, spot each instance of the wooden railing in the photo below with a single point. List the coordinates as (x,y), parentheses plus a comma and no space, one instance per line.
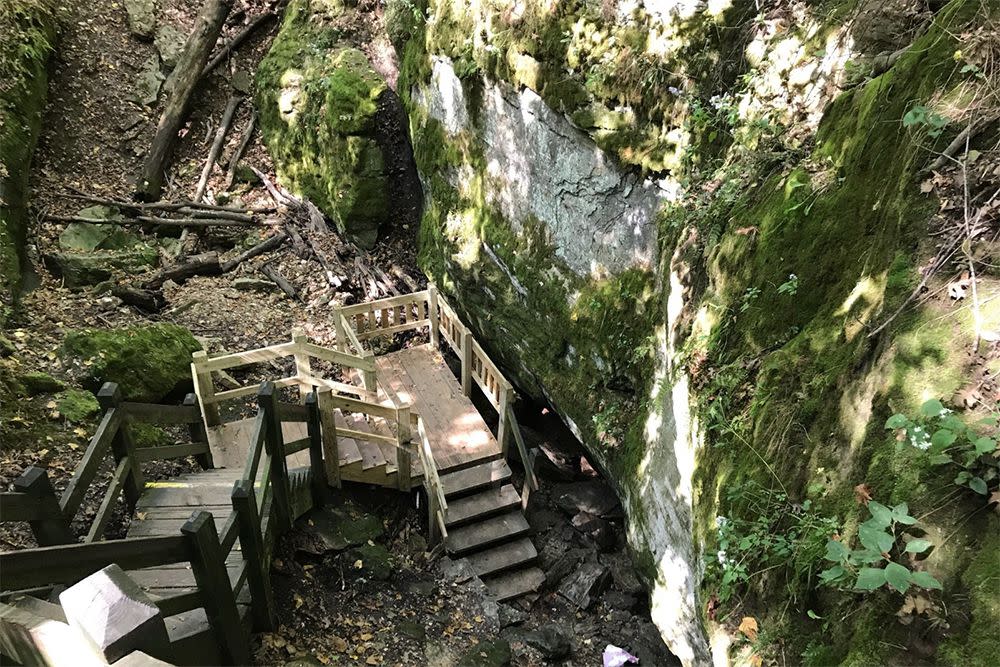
(437,504)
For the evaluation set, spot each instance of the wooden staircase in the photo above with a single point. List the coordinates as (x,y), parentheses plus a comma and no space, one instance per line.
(486,526)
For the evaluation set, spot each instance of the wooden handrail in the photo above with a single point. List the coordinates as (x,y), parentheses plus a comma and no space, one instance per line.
(96,531)
(85,472)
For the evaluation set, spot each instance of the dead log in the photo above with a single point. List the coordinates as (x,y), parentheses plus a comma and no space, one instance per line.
(267,245)
(234,160)
(235,42)
(150,301)
(199,208)
(216,149)
(182,83)
(206,264)
(279,280)
(148,220)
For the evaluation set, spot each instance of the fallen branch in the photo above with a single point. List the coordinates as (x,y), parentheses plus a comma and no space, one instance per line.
(234,160)
(216,149)
(235,42)
(169,206)
(966,135)
(275,277)
(182,83)
(206,264)
(150,301)
(267,245)
(148,220)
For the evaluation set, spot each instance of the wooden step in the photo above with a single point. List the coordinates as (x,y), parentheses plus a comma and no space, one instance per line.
(515,583)
(481,505)
(347,448)
(371,455)
(483,534)
(482,476)
(503,557)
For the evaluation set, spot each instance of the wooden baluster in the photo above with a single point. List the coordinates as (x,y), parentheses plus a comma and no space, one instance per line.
(252,544)
(274,443)
(316,451)
(54,528)
(338,323)
(502,426)
(204,388)
(404,462)
(432,315)
(197,433)
(368,378)
(208,564)
(434,532)
(467,362)
(110,398)
(331,450)
(303,368)
(385,324)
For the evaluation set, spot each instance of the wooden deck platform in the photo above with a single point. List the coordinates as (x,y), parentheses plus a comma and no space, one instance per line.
(419,376)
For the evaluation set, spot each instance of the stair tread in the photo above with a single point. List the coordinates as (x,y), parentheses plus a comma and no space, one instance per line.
(347,448)
(371,455)
(477,477)
(489,532)
(515,583)
(484,504)
(502,557)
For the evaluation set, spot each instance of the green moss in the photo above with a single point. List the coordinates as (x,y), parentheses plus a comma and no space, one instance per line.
(318,100)
(77,406)
(38,382)
(148,362)
(148,435)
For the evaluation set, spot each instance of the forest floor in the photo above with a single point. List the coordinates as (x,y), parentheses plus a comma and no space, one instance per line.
(96,130)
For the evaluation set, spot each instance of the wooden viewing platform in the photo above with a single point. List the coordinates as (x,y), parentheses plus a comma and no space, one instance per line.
(199,545)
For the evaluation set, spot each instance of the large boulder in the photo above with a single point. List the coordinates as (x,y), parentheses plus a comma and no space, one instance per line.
(90,253)
(332,125)
(149,362)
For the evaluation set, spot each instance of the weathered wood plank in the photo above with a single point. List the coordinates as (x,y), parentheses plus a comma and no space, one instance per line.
(110,496)
(146,454)
(84,474)
(152,413)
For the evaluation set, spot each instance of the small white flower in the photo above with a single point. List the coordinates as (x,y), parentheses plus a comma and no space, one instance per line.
(722,557)
(720,521)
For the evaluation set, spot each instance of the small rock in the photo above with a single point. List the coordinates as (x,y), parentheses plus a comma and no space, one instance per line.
(411,629)
(141,17)
(6,347)
(241,81)
(337,528)
(618,600)
(422,587)
(510,615)
(487,654)
(148,85)
(254,285)
(37,382)
(562,566)
(543,519)
(593,496)
(374,561)
(623,573)
(599,530)
(551,639)
(106,303)
(586,584)
(457,571)
(170,43)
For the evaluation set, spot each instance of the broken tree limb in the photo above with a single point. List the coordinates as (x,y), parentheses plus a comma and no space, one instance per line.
(275,277)
(234,160)
(150,301)
(170,206)
(182,83)
(235,42)
(206,264)
(216,149)
(148,220)
(267,245)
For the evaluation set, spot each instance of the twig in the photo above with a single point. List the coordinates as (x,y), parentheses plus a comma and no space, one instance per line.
(220,138)
(234,161)
(232,44)
(963,138)
(269,244)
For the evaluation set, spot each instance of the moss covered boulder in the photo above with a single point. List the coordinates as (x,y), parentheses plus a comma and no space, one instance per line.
(148,362)
(320,103)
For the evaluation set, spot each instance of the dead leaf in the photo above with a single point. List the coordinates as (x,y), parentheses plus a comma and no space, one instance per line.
(862,494)
(712,608)
(358,564)
(756,660)
(747,231)
(748,626)
(298,600)
(956,288)
(927,186)
(339,644)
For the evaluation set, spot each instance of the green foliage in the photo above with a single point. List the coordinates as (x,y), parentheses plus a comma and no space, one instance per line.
(790,286)
(779,534)
(921,116)
(948,441)
(872,566)
(76,405)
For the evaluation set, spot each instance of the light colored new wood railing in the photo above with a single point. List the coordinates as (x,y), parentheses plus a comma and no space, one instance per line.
(437,505)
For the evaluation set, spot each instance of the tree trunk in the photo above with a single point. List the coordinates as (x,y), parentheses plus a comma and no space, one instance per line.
(182,83)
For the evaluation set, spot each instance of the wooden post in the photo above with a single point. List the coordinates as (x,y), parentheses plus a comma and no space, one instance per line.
(404,462)
(197,432)
(275,446)
(208,564)
(338,323)
(110,398)
(54,528)
(369,378)
(502,425)
(205,389)
(434,533)
(303,369)
(466,362)
(331,451)
(316,450)
(252,544)
(432,314)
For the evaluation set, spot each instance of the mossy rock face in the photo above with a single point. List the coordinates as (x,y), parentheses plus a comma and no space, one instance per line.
(319,101)
(147,362)
(80,269)
(37,382)
(25,46)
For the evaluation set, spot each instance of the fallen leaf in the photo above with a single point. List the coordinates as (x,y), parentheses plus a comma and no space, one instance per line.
(358,564)
(956,288)
(927,186)
(748,626)
(756,660)
(862,493)
(298,600)
(339,644)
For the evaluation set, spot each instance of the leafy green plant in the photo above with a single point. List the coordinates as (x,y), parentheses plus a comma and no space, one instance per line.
(790,286)
(921,116)
(782,534)
(748,296)
(948,440)
(872,566)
